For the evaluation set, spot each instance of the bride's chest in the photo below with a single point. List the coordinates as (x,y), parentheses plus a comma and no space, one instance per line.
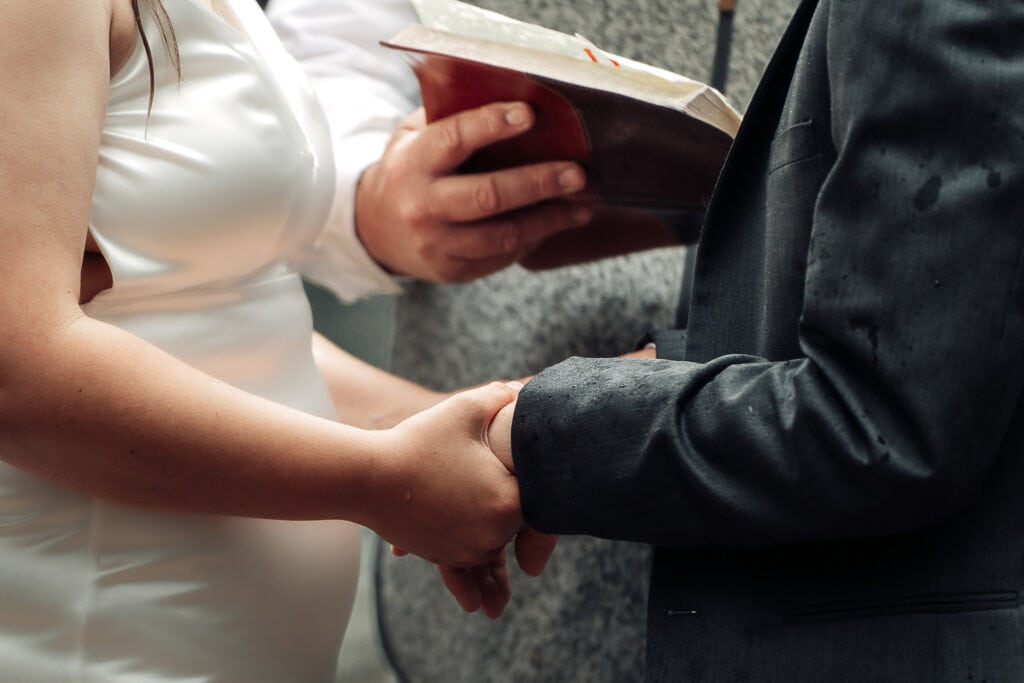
(227,171)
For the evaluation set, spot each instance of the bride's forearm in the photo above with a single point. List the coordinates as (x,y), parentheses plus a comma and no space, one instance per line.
(365,396)
(97,410)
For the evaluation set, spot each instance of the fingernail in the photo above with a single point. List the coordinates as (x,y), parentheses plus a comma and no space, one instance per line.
(514,386)
(516,116)
(571,179)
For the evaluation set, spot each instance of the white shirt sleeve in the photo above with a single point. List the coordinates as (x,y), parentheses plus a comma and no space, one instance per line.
(366,90)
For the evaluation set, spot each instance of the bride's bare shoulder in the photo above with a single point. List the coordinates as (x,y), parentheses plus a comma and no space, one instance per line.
(84,29)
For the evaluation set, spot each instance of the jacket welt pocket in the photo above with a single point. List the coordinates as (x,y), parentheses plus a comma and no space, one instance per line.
(918,604)
(793,144)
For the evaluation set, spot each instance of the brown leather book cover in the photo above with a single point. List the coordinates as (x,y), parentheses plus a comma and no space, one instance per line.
(650,167)
(635,153)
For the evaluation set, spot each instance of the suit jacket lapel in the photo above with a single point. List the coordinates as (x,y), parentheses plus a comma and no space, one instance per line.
(762,116)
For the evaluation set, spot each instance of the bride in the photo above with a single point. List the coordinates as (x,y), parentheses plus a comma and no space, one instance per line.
(178,499)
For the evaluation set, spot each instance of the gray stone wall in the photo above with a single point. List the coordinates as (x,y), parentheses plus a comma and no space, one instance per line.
(584,619)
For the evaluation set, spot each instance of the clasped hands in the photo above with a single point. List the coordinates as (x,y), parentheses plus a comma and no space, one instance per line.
(416,215)
(468,511)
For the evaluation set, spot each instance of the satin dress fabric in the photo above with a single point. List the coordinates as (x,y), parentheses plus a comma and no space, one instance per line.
(204,209)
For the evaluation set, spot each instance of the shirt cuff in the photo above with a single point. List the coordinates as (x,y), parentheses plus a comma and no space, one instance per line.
(339,261)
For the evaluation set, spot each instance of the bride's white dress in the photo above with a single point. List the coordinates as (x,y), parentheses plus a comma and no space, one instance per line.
(204,214)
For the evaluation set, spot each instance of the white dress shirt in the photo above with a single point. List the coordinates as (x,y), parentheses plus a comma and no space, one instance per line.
(366,90)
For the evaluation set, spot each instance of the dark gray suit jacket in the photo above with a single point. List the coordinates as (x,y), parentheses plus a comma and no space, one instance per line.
(833,468)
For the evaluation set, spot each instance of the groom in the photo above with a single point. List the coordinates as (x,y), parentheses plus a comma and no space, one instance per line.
(830,460)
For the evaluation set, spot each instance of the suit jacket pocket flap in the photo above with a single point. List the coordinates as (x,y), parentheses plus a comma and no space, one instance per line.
(793,144)
(917,604)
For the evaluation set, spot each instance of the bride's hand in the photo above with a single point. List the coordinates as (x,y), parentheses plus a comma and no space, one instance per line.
(485,587)
(444,496)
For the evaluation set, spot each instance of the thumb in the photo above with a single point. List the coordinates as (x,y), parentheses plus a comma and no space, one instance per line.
(417,120)
(491,398)
(533,550)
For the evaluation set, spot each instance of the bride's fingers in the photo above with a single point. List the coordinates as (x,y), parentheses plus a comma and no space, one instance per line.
(463,586)
(485,586)
(495,588)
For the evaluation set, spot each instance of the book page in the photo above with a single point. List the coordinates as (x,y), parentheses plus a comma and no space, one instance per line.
(452,16)
(684,95)
(467,20)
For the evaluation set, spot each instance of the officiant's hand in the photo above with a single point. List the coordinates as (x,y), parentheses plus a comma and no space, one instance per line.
(417,216)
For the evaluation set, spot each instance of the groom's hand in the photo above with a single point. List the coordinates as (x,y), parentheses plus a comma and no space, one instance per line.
(533,549)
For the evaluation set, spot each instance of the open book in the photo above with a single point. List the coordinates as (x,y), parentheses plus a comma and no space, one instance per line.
(652,142)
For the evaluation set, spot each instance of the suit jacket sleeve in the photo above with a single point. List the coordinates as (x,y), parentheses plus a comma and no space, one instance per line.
(910,328)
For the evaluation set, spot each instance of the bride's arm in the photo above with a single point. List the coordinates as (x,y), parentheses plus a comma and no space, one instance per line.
(365,396)
(93,408)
